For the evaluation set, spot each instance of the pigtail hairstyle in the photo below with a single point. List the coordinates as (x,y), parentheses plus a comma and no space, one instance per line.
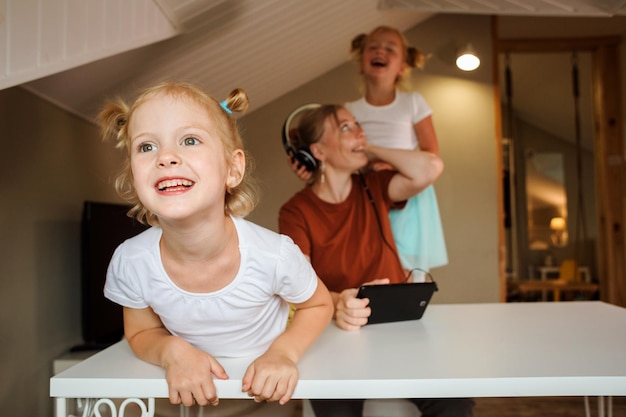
(416,58)
(241,199)
(237,101)
(115,117)
(113,120)
(357,45)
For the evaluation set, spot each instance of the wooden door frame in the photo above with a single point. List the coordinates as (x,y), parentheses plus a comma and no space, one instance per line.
(609,168)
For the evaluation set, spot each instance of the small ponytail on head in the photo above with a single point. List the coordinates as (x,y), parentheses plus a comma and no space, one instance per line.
(416,58)
(113,121)
(357,45)
(237,101)
(241,199)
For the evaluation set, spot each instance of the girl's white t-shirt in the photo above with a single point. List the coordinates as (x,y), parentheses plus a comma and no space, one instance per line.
(241,319)
(391,126)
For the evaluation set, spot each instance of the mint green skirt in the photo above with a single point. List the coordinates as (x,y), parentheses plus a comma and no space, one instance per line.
(418,232)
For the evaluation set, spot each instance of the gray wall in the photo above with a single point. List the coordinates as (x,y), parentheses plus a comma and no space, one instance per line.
(52,161)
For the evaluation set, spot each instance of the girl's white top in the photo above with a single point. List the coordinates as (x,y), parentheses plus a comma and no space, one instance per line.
(241,319)
(391,126)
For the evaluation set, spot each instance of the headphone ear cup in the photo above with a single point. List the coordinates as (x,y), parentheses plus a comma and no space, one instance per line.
(303,155)
(306,159)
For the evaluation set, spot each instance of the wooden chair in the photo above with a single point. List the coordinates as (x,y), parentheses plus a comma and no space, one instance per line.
(569,281)
(568,271)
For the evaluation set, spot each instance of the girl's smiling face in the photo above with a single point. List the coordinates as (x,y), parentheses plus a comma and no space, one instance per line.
(384,54)
(177,160)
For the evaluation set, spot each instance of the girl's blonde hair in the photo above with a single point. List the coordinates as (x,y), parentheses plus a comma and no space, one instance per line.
(114,119)
(413,57)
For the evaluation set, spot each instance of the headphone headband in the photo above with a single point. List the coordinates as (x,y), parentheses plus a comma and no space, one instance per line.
(302,154)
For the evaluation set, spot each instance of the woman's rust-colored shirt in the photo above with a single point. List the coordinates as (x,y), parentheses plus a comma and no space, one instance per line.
(344,240)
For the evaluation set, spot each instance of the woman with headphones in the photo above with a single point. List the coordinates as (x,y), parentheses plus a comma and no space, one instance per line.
(340,221)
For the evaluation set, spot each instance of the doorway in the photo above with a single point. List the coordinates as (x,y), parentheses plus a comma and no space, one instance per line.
(534,234)
(547,126)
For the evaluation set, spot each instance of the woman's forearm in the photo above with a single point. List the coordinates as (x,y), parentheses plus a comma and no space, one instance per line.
(416,165)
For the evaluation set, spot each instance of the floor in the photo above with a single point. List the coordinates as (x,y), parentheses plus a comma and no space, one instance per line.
(538,407)
(543,406)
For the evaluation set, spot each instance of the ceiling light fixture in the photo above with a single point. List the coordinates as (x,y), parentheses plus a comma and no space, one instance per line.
(467,59)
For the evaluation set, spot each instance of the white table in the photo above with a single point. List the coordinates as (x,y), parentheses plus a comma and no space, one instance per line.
(457,350)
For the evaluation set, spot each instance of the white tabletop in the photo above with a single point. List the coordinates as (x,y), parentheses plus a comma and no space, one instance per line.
(457,350)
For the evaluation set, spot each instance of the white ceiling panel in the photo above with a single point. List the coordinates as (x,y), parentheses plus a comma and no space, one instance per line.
(39,38)
(267,47)
(91,48)
(580,8)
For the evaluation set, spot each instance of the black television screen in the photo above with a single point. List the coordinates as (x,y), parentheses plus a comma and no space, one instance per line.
(103,227)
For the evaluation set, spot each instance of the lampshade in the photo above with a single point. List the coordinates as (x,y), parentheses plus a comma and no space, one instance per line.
(467,59)
(558,236)
(557,223)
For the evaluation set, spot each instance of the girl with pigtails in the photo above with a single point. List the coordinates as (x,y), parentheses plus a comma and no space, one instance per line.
(203,282)
(400,120)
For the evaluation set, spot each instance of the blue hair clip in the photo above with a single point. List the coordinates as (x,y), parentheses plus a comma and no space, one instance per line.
(225,107)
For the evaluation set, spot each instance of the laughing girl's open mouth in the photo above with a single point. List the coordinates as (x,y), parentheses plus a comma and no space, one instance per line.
(174,184)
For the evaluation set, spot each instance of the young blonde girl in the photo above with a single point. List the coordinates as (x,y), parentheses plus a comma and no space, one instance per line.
(203,282)
(400,120)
